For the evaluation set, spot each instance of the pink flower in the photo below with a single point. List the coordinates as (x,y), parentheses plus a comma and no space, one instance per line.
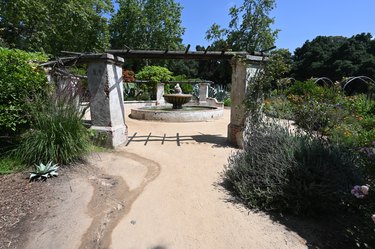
(373,218)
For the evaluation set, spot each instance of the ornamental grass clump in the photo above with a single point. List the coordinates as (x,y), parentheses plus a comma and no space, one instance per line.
(57,133)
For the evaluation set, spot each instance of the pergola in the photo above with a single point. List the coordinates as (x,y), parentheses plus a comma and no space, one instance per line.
(105,85)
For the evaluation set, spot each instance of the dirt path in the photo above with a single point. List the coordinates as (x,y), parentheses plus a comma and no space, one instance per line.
(160,191)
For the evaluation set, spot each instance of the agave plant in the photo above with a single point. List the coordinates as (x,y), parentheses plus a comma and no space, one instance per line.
(42,172)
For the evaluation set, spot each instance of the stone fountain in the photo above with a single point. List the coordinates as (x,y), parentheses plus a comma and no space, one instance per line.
(178,98)
(177,112)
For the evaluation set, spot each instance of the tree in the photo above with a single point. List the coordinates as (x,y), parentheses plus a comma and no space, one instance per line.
(249,29)
(355,57)
(311,60)
(220,72)
(51,26)
(335,57)
(278,66)
(147,24)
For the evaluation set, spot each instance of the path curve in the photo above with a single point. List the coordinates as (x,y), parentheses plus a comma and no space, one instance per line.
(160,191)
(113,198)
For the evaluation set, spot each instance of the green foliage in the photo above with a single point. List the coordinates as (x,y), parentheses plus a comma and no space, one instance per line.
(10,165)
(356,127)
(292,173)
(249,28)
(227,102)
(42,172)
(57,133)
(278,106)
(154,74)
(348,120)
(186,68)
(303,173)
(279,64)
(147,24)
(186,88)
(51,26)
(308,88)
(3,44)
(335,57)
(20,79)
(168,88)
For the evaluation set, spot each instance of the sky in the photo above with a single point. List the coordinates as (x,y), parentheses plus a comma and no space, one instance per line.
(298,20)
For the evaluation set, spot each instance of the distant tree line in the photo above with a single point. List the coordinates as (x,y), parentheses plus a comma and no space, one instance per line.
(335,57)
(93,26)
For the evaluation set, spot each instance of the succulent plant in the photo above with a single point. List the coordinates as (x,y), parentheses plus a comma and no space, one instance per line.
(42,172)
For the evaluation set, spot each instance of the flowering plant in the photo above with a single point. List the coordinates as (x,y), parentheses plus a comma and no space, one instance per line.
(360,192)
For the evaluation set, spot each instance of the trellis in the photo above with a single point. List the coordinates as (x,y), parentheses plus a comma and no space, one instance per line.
(105,85)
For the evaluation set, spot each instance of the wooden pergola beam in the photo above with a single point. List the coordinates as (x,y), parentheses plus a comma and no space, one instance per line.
(112,55)
(165,54)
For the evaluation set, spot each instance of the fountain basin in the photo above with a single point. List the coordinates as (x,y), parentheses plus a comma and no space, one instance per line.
(177,100)
(186,114)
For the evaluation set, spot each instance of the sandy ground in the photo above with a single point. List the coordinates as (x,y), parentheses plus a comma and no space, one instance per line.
(160,191)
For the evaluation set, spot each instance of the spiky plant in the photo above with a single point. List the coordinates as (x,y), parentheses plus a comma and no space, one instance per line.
(42,172)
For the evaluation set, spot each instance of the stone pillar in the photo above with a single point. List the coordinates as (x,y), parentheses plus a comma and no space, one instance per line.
(107,102)
(159,94)
(203,93)
(242,72)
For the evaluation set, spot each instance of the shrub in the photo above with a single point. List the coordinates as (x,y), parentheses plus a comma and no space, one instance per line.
(311,115)
(304,88)
(227,102)
(278,106)
(293,173)
(347,120)
(57,133)
(154,75)
(186,88)
(20,79)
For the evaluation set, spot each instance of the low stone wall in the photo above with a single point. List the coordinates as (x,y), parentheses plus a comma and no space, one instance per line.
(139,104)
(199,115)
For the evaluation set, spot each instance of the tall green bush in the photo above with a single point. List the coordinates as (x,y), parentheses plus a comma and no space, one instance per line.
(20,79)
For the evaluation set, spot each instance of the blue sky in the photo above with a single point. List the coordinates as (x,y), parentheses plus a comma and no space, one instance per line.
(298,20)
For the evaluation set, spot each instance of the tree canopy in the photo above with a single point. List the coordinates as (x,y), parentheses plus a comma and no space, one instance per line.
(51,26)
(335,57)
(147,24)
(249,28)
